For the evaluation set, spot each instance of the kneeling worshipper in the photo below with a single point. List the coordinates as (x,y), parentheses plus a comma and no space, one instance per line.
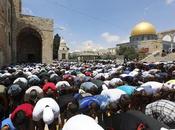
(163,111)
(151,87)
(133,120)
(127,89)
(33,94)
(48,110)
(21,117)
(113,94)
(50,90)
(89,106)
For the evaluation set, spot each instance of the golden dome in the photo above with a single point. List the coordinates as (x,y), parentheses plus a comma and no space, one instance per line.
(143,28)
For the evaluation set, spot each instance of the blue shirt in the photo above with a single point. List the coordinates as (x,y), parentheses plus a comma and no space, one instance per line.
(85,102)
(9,123)
(103,100)
(127,89)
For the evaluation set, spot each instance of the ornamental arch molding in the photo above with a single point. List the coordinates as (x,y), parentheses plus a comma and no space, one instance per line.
(33,28)
(170,33)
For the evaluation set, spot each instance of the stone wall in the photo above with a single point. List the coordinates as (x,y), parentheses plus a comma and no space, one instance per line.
(17,8)
(43,24)
(153,45)
(12,22)
(63,50)
(44,27)
(60,55)
(5,32)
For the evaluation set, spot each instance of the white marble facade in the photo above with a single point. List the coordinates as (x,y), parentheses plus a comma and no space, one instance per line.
(63,51)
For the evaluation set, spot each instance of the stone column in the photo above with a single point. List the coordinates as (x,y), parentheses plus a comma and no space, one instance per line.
(47,47)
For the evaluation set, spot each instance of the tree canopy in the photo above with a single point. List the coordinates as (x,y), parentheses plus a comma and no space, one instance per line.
(129,52)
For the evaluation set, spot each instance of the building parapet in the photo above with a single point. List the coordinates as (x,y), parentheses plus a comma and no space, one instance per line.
(37,17)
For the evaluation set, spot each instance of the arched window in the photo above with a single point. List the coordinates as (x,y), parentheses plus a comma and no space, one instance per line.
(167,38)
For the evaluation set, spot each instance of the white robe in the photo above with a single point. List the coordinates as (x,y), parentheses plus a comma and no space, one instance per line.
(81,122)
(113,94)
(48,114)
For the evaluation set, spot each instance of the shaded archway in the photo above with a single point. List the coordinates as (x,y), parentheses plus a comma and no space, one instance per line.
(29,46)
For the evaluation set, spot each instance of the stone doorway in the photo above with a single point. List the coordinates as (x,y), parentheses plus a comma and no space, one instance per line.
(29,46)
(63,56)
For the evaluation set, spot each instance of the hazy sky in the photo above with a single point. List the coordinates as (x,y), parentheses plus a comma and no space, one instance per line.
(101,23)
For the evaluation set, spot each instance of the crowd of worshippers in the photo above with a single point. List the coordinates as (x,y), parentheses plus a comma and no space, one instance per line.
(88,96)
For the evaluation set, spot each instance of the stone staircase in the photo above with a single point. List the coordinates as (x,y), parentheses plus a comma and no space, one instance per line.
(156,57)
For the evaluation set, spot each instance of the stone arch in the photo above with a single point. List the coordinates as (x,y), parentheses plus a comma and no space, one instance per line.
(32,27)
(29,45)
(167,37)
